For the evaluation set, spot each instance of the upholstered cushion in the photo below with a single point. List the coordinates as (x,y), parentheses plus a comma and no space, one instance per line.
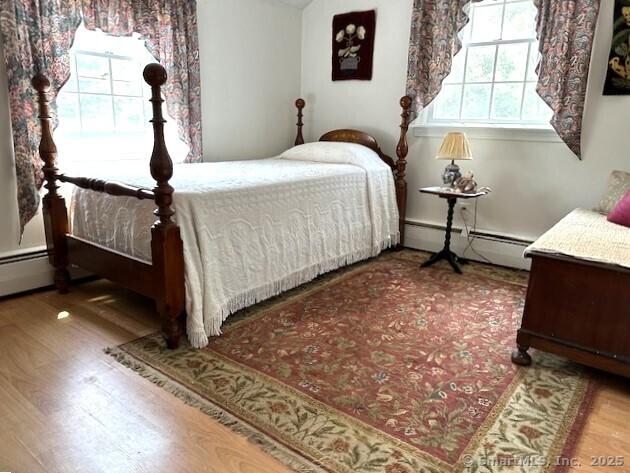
(621,213)
(585,235)
(618,186)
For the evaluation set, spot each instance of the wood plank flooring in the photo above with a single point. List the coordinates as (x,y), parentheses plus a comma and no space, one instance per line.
(65,406)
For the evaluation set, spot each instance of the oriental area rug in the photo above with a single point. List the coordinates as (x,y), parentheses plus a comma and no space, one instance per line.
(383,367)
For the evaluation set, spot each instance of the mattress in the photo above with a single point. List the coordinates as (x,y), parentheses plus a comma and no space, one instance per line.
(252,229)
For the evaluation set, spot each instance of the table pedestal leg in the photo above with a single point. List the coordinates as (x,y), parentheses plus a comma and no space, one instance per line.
(446,253)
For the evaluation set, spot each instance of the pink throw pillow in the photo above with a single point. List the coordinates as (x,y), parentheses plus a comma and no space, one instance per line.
(620,214)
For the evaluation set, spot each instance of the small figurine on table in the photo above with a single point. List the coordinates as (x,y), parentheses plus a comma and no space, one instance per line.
(467,184)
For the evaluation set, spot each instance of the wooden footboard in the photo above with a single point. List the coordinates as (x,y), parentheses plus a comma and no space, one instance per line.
(579,310)
(163,279)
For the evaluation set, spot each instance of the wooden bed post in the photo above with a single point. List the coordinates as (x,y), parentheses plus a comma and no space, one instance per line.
(401,166)
(167,249)
(299,139)
(53,205)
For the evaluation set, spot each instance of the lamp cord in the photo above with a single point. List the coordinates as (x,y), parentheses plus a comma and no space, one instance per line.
(471,239)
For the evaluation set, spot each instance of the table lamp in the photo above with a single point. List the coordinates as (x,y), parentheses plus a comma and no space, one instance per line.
(455,147)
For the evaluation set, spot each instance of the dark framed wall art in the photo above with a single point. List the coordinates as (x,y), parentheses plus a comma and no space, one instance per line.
(353,45)
(618,76)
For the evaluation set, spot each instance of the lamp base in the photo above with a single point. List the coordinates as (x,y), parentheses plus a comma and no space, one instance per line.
(451,174)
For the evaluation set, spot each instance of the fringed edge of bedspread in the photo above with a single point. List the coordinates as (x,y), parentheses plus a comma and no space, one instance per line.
(212,324)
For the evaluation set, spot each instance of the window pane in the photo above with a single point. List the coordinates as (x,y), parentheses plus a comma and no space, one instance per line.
(506,101)
(511,62)
(94,86)
(534,108)
(534,58)
(148,108)
(520,20)
(127,88)
(476,101)
(127,70)
(71,85)
(92,66)
(486,25)
(448,102)
(499,74)
(97,113)
(457,70)
(68,111)
(146,90)
(480,64)
(129,114)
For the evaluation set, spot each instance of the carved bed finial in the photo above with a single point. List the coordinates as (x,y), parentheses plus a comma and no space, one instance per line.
(53,205)
(300,104)
(47,147)
(155,75)
(41,83)
(402,149)
(161,164)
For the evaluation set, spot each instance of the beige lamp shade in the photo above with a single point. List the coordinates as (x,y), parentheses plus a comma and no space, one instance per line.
(455,147)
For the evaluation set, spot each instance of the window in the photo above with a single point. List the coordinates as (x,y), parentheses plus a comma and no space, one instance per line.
(104,108)
(493,78)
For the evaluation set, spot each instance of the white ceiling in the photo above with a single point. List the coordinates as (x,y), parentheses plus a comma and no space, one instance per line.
(297,3)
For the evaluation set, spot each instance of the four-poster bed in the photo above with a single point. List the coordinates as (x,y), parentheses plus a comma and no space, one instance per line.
(163,277)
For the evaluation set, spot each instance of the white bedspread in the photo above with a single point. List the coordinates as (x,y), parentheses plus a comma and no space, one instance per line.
(252,229)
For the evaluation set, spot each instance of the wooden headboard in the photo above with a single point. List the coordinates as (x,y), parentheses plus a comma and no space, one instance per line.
(359,137)
(398,166)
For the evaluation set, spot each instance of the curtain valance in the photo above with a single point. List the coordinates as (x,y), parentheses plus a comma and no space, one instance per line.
(37,36)
(565,30)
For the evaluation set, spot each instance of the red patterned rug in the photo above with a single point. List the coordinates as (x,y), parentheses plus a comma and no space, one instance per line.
(383,367)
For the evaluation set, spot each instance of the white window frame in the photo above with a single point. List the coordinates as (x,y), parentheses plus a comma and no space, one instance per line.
(132,144)
(78,93)
(494,129)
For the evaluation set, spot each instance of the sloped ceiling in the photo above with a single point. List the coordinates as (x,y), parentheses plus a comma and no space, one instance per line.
(297,3)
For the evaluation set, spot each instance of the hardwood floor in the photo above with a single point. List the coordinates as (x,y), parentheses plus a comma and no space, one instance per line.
(66,406)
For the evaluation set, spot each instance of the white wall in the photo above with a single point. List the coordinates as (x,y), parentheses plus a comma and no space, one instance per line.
(534,184)
(250,71)
(250,74)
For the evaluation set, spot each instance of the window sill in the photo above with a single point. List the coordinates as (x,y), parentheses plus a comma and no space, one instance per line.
(488,132)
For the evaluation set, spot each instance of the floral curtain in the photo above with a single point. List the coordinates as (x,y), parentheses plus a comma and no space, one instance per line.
(435,25)
(37,36)
(169,28)
(565,29)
